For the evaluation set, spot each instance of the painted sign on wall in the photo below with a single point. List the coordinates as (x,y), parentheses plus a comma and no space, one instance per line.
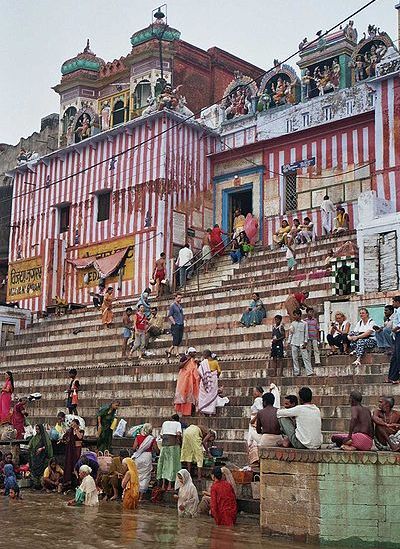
(24,279)
(90,277)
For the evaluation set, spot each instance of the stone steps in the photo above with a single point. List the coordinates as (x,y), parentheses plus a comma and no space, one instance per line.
(41,356)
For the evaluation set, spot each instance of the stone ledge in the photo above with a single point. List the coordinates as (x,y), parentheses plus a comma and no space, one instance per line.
(330,456)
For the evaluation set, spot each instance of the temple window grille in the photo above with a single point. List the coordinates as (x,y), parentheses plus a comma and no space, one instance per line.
(291,191)
(118,113)
(103,206)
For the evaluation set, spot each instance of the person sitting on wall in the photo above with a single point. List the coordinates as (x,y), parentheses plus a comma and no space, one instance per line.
(280,237)
(361,431)
(306,232)
(386,422)
(267,424)
(156,326)
(383,334)
(98,297)
(306,433)
(342,221)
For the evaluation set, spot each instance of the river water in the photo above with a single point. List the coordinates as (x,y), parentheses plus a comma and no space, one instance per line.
(44,520)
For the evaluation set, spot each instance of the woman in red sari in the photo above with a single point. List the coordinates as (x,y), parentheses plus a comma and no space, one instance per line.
(188,384)
(223,500)
(217,244)
(19,416)
(5,398)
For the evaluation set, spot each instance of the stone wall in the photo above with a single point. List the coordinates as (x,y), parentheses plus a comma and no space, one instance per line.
(331,496)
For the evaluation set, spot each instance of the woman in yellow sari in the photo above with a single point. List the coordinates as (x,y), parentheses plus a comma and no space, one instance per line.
(130,485)
(106,308)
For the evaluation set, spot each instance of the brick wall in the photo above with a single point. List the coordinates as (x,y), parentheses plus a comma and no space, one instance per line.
(331,496)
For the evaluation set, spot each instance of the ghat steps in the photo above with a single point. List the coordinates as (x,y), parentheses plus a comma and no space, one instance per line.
(41,356)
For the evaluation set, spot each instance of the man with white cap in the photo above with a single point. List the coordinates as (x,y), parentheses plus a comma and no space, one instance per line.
(188,383)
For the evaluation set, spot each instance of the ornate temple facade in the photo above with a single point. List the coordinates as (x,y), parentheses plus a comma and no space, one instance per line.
(154,149)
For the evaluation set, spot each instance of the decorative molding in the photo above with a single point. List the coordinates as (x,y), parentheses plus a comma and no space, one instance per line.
(330,456)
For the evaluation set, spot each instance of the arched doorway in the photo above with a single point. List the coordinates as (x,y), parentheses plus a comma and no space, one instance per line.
(118,113)
(142,93)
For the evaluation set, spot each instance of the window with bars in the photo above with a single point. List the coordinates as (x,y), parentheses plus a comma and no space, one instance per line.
(103,206)
(291,191)
(63,212)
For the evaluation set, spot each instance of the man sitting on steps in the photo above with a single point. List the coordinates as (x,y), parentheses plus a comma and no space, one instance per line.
(267,423)
(307,431)
(361,432)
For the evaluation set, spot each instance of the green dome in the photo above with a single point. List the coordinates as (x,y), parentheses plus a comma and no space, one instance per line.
(155,31)
(85,60)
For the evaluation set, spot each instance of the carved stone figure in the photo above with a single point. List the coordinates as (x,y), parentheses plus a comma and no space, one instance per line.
(69,134)
(84,129)
(350,31)
(168,98)
(105,116)
(335,76)
(278,91)
(264,102)
(306,83)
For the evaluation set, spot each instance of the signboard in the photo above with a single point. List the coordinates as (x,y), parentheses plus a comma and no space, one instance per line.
(179,228)
(90,277)
(191,232)
(287,168)
(24,279)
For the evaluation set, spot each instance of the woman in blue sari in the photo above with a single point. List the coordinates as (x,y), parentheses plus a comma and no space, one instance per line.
(255,312)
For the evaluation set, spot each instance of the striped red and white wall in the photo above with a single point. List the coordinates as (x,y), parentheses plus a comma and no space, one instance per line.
(165,168)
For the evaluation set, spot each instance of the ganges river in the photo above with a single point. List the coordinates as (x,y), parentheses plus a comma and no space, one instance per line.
(44,521)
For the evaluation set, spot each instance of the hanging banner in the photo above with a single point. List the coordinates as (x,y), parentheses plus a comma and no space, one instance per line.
(123,247)
(24,279)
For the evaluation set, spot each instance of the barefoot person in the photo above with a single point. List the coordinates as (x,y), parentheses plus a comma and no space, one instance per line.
(295,301)
(126,329)
(187,384)
(386,422)
(159,274)
(306,433)
(106,308)
(176,318)
(267,424)
(361,431)
(169,461)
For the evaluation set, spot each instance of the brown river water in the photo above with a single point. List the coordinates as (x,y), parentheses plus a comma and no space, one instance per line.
(44,521)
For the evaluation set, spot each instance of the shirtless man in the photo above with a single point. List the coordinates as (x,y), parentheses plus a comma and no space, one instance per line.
(126,329)
(267,423)
(386,421)
(159,274)
(361,430)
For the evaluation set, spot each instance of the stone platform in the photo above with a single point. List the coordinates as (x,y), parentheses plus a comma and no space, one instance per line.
(326,496)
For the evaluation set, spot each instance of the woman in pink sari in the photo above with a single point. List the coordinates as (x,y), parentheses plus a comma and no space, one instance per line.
(216,242)
(208,392)
(5,399)
(187,385)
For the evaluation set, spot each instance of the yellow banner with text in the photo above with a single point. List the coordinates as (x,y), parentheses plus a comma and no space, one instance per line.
(24,279)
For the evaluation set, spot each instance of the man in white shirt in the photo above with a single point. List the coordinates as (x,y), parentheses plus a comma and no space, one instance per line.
(328,212)
(307,431)
(185,256)
(169,462)
(298,338)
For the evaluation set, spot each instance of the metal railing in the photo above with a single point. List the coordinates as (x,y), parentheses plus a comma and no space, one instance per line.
(195,267)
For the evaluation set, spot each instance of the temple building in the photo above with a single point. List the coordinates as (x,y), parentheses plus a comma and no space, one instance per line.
(157,146)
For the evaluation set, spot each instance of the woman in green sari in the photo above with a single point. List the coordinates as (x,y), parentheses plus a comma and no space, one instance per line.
(105,418)
(40,451)
(255,312)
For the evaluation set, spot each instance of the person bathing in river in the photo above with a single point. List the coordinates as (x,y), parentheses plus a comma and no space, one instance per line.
(53,476)
(223,500)
(361,432)
(86,494)
(188,498)
(386,422)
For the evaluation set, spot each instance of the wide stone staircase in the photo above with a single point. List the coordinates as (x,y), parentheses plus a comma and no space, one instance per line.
(41,356)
